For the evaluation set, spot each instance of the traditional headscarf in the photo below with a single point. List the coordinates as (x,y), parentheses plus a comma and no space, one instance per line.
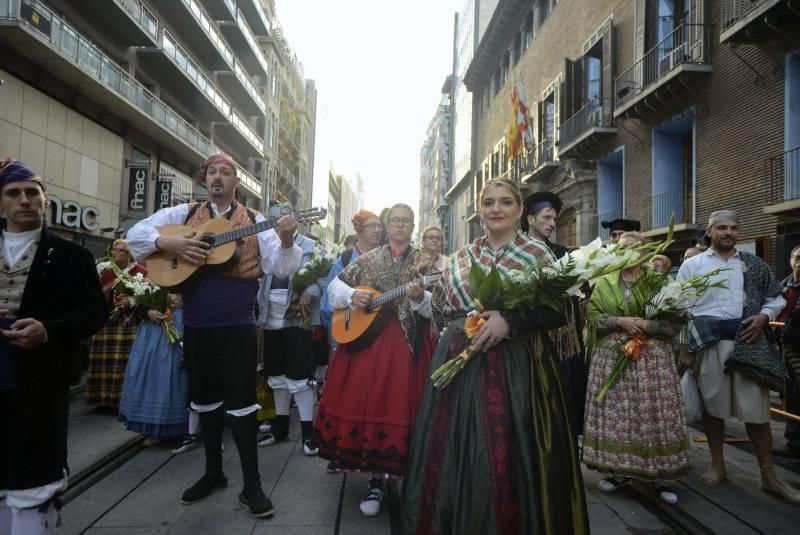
(722,215)
(16,171)
(219,158)
(361,217)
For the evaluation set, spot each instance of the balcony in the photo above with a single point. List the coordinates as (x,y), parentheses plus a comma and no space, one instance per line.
(249,182)
(189,83)
(663,72)
(255,15)
(661,207)
(748,21)
(242,88)
(472,212)
(783,183)
(125,22)
(221,9)
(242,39)
(246,139)
(68,55)
(585,133)
(543,162)
(199,32)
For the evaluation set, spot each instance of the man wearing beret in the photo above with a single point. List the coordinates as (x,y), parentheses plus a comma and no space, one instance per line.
(50,299)
(618,227)
(539,220)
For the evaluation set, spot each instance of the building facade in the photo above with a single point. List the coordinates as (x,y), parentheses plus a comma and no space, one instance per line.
(469,26)
(117,105)
(435,166)
(342,206)
(649,110)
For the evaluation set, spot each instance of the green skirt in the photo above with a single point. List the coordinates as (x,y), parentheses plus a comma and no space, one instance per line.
(493,452)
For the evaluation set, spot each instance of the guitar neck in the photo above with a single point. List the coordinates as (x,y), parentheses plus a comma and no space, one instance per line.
(391,295)
(239,233)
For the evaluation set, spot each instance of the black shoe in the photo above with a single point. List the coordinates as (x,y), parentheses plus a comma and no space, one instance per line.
(331,469)
(254,499)
(271,438)
(204,487)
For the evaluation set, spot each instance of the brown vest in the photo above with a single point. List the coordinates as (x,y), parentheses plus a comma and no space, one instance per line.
(249,266)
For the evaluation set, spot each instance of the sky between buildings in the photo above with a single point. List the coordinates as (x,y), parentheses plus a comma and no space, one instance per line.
(379,67)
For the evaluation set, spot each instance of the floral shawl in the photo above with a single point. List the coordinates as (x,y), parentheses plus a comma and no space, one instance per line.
(452,292)
(379,270)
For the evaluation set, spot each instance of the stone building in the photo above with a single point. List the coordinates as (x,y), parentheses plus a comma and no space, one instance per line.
(648,109)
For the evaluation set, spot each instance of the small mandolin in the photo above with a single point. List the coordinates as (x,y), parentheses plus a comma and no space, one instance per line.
(349,324)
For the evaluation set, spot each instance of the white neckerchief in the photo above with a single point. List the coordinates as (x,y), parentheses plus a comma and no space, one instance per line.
(16,243)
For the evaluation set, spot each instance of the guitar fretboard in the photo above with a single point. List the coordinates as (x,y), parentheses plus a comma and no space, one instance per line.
(395,293)
(239,233)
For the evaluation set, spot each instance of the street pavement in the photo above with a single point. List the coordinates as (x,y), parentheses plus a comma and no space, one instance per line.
(142,496)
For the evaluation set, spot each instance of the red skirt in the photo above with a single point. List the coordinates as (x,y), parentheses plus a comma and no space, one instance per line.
(370,403)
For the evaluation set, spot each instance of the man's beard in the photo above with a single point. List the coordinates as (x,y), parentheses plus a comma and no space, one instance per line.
(719,246)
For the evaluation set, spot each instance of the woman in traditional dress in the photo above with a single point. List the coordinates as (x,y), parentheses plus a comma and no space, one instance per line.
(367,412)
(156,387)
(432,244)
(639,429)
(493,452)
(108,356)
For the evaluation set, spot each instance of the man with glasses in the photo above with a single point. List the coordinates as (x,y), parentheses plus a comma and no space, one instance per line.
(375,383)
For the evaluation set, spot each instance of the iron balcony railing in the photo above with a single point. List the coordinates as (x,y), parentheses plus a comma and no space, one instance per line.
(544,152)
(732,11)
(77,49)
(143,16)
(249,181)
(608,215)
(664,205)
(687,44)
(185,63)
(209,28)
(592,115)
(783,174)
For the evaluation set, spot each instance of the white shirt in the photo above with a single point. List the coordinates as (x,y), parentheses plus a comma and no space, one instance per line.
(721,302)
(275,259)
(16,243)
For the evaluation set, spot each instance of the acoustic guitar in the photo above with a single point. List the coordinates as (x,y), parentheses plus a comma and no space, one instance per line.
(171,271)
(347,325)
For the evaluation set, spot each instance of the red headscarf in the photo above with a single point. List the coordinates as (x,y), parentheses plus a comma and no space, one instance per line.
(361,217)
(219,158)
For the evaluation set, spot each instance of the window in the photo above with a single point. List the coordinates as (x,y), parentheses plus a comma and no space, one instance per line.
(504,68)
(527,33)
(593,67)
(673,171)
(516,50)
(497,81)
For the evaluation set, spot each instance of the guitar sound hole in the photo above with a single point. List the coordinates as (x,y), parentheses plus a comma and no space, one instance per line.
(209,239)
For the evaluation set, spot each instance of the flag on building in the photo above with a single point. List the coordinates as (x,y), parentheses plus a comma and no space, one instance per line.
(514,136)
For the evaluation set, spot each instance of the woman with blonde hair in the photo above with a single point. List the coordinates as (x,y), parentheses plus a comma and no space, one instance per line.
(493,452)
(432,245)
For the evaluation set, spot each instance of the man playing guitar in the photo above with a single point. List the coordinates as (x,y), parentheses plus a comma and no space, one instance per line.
(219,316)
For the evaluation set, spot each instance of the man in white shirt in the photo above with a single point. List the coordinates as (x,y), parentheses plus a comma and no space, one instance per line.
(219,337)
(737,364)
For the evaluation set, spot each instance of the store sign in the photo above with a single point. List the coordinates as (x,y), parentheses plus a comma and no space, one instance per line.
(163,192)
(137,190)
(73,215)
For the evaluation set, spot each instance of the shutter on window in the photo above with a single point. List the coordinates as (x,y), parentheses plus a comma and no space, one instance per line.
(607,85)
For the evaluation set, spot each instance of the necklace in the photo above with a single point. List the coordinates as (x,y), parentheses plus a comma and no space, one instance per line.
(627,291)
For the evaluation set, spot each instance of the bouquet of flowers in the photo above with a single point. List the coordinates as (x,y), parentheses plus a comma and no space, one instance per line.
(138,290)
(313,270)
(543,284)
(657,297)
